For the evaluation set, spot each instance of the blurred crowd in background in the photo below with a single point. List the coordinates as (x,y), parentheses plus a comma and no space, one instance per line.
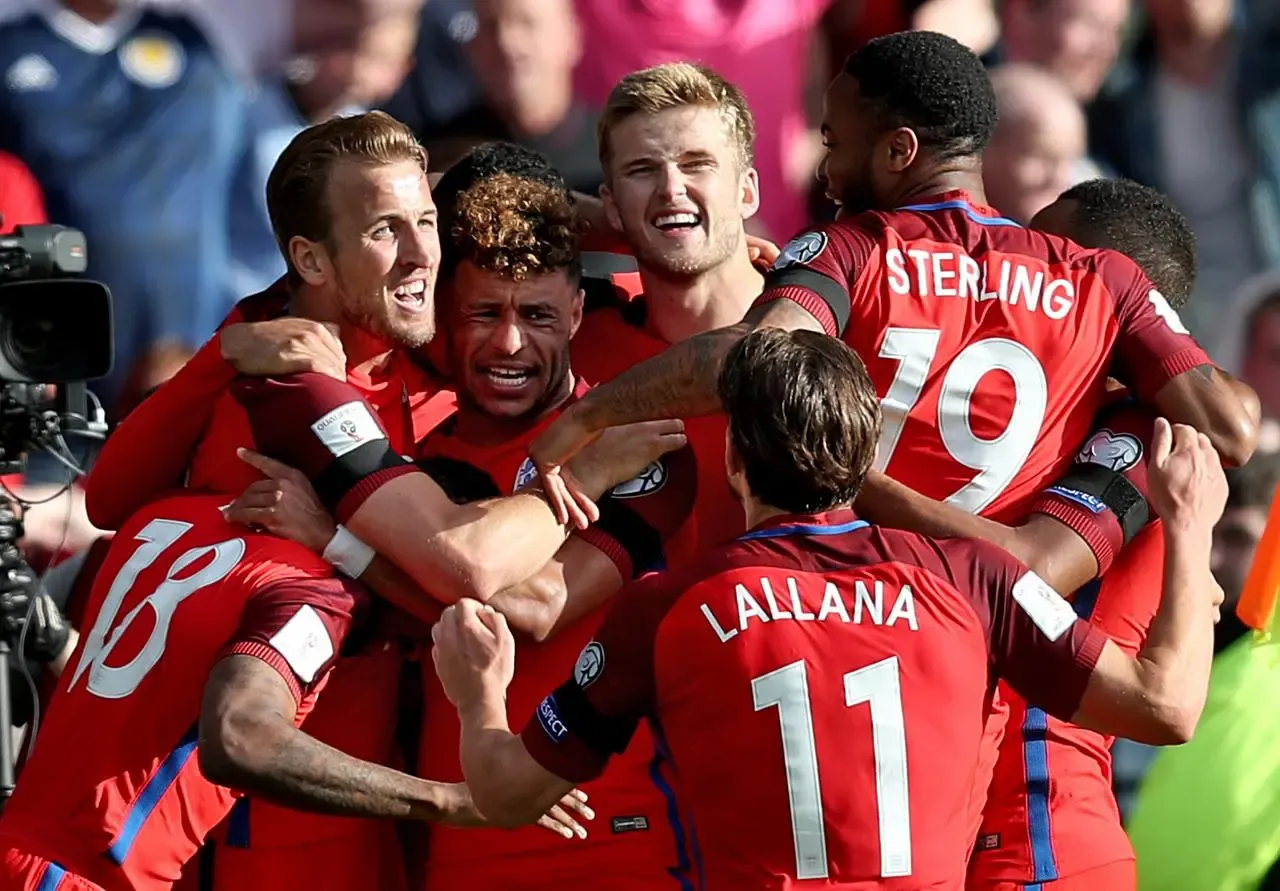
(151,125)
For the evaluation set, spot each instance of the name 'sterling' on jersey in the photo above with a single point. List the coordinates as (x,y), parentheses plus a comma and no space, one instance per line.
(864,604)
(955,274)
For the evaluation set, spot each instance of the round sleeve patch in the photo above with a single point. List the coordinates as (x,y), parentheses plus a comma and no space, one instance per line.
(590,665)
(1115,451)
(801,250)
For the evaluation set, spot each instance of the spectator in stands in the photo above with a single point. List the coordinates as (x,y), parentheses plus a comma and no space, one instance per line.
(1195,116)
(1235,538)
(523,55)
(441,85)
(1077,40)
(1261,362)
(21,201)
(1038,148)
(132,125)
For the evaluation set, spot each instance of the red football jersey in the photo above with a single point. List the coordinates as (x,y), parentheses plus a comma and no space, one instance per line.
(632,844)
(821,686)
(988,342)
(1050,812)
(612,340)
(179,589)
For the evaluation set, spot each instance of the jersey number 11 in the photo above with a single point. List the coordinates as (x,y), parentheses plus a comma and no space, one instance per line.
(877,684)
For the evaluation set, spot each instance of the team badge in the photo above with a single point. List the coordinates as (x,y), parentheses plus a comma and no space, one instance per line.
(153,59)
(650,480)
(590,665)
(1115,451)
(525,474)
(802,250)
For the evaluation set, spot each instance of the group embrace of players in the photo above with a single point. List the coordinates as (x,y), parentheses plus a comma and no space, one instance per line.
(772,525)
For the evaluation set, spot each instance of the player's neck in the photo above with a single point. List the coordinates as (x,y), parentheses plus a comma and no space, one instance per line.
(959,175)
(758,512)
(478,428)
(366,353)
(677,310)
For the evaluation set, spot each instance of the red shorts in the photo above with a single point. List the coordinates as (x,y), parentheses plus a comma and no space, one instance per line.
(1119,876)
(368,858)
(26,872)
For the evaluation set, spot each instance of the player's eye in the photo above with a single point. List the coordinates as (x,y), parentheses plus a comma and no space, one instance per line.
(700,164)
(427,223)
(383,231)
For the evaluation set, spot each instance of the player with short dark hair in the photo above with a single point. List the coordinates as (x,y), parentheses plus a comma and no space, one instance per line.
(1136,220)
(820,682)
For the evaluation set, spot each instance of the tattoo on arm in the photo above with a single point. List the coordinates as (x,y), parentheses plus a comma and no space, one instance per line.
(248,742)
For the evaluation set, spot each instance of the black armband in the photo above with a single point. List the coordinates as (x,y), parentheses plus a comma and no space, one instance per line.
(833,294)
(601,734)
(347,471)
(641,541)
(1113,490)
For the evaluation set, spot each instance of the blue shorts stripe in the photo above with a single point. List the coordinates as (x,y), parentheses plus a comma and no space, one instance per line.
(152,793)
(52,878)
(1035,751)
(238,825)
(684,861)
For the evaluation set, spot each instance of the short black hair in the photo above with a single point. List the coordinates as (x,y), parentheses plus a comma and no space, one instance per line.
(804,418)
(1142,224)
(931,83)
(484,161)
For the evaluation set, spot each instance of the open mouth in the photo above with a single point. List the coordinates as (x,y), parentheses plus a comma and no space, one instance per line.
(677,222)
(507,377)
(412,295)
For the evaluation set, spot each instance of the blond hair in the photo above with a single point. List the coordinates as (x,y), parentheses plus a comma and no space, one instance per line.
(678,85)
(297,186)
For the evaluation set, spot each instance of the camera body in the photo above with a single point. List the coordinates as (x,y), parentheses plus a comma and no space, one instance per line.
(56,334)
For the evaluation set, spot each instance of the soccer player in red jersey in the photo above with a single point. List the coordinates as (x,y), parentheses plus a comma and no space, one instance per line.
(677,148)
(357,225)
(989,343)
(188,607)
(822,682)
(512,303)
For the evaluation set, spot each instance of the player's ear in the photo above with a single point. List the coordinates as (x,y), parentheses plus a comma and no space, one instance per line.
(733,469)
(610,208)
(901,147)
(310,259)
(749,198)
(575,312)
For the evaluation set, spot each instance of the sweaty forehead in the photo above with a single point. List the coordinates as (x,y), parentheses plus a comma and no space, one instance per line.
(475,288)
(842,106)
(365,192)
(671,133)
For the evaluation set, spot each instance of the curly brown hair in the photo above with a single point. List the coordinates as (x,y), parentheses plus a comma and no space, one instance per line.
(515,227)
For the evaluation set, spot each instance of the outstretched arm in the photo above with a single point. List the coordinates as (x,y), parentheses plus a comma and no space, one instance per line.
(1220,406)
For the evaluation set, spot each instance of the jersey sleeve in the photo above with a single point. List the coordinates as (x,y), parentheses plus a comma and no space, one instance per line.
(639,516)
(324,428)
(148,451)
(1152,345)
(1118,445)
(591,717)
(1035,640)
(817,270)
(298,628)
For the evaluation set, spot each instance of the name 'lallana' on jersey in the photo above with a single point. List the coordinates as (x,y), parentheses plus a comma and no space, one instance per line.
(1001,277)
(863,602)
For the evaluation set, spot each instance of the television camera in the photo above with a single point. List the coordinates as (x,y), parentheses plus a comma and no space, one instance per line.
(55,336)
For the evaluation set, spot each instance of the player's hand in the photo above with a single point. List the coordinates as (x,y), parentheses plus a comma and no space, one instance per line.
(283,504)
(560,819)
(1188,488)
(762,251)
(622,453)
(284,346)
(550,453)
(474,652)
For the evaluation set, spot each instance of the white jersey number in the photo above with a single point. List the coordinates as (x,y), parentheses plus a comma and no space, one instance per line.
(997,460)
(879,686)
(117,682)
